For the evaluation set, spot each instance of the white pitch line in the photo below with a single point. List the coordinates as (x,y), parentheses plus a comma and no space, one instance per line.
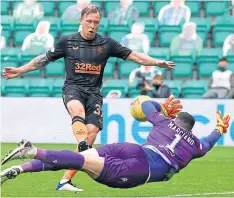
(200,194)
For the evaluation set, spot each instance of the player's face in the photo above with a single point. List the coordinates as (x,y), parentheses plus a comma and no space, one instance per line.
(90,24)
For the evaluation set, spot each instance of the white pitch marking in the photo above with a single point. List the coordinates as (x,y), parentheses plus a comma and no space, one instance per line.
(199,194)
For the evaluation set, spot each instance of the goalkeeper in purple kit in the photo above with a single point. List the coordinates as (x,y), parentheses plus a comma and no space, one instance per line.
(170,146)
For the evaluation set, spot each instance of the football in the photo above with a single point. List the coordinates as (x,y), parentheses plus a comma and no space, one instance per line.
(135,107)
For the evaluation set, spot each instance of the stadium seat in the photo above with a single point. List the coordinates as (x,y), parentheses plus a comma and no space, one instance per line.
(55,68)
(15,4)
(231,66)
(109,69)
(40,87)
(20,35)
(151,36)
(103,25)
(5,8)
(158,5)
(183,59)
(7,35)
(203,27)
(175,86)
(230,58)
(167,33)
(18,25)
(10,57)
(194,7)
(17,87)
(57,87)
(109,5)
(224,26)
(29,54)
(119,84)
(194,88)
(125,68)
(143,7)
(133,91)
(208,61)
(118,35)
(151,27)
(183,70)
(214,8)
(159,53)
(205,69)
(7,22)
(26,57)
(54,22)
(3,84)
(98,3)
(63,5)
(69,27)
(151,24)
(119,28)
(11,54)
(48,7)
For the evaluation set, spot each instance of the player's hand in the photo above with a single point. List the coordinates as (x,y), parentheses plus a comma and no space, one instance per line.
(222,123)
(171,107)
(166,64)
(10,72)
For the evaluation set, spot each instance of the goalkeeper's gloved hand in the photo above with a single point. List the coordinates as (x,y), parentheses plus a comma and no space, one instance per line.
(171,107)
(222,123)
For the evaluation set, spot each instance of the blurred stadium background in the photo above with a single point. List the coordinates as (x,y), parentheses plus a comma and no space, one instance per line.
(32,107)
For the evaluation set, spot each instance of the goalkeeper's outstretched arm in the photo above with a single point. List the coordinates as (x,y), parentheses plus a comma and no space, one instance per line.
(209,142)
(222,124)
(150,106)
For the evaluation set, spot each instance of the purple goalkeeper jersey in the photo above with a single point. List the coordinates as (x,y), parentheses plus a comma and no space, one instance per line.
(173,142)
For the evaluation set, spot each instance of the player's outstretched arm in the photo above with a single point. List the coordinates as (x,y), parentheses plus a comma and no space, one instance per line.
(146,60)
(37,63)
(222,124)
(58,51)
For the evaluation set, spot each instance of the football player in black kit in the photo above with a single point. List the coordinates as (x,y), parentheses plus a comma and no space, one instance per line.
(85,55)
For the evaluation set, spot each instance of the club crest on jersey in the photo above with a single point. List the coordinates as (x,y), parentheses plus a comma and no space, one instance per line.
(75,48)
(87,68)
(100,50)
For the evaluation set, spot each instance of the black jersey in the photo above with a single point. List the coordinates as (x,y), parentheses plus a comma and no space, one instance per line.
(85,60)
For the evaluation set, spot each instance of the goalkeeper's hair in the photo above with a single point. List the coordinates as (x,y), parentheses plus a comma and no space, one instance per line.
(185,120)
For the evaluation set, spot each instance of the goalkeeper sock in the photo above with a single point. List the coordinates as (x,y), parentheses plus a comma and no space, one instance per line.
(62,159)
(36,166)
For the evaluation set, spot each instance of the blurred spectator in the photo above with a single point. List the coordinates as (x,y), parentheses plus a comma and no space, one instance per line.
(137,40)
(233,7)
(159,89)
(221,83)
(146,78)
(2,39)
(73,12)
(228,45)
(28,11)
(114,94)
(174,13)
(41,40)
(188,42)
(124,13)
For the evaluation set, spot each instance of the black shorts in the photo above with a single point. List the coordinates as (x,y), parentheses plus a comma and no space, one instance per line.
(92,103)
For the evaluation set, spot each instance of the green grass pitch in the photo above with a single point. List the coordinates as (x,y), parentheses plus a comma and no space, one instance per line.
(207,176)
